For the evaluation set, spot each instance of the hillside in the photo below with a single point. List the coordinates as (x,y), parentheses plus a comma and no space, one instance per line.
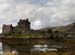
(67,28)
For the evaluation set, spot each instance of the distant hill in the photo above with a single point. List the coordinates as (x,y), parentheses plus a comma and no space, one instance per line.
(69,28)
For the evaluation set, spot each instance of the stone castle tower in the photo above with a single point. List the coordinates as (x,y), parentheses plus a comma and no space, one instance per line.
(6,29)
(22,27)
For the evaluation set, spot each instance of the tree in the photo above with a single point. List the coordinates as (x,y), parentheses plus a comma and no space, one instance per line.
(49,31)
(56,32)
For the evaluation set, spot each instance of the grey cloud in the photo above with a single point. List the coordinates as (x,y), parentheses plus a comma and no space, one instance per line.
(41,13)
(33,1)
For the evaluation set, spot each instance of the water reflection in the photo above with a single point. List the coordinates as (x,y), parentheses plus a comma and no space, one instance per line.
(42,48)
(1,52)
(14,52)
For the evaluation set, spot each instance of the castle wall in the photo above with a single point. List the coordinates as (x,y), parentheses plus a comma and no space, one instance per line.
(6,29)
(22,27)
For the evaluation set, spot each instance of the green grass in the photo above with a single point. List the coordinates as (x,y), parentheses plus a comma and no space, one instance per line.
(28,35)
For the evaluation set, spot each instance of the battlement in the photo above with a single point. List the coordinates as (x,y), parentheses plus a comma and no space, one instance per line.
(24,21)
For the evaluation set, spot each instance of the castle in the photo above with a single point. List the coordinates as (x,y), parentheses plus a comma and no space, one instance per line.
(23,26)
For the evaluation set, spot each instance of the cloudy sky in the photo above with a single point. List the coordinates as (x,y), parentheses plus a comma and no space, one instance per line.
(41,13)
